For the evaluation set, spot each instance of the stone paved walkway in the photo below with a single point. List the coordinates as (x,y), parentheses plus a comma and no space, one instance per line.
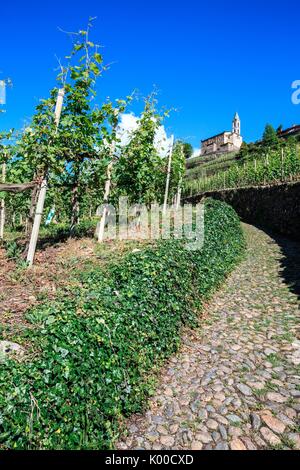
(235,384)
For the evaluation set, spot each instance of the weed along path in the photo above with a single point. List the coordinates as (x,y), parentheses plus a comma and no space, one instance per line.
(235,383)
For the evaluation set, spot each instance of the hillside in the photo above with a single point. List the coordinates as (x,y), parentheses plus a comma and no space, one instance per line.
(255,165)
(200,167)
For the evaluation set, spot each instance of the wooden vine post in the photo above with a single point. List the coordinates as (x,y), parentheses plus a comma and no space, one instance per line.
(168,176)
(179,190)
(178,196)
(106,193)
(43,190)
(2,205)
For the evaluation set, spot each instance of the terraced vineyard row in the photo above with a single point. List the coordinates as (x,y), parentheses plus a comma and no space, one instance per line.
(276,166)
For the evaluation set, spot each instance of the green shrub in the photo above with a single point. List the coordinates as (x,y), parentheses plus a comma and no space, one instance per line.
(97,347)
(61,232)
(13,250)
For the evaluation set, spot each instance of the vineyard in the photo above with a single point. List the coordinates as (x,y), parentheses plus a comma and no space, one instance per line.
(89,326)
(90,351)
(129,318)
(209,166)
(72,158)
(273,167)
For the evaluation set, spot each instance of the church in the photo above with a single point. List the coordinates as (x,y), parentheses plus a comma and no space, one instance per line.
(225,142)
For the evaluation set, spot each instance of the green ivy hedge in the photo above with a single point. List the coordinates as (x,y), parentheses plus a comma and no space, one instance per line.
(97,346)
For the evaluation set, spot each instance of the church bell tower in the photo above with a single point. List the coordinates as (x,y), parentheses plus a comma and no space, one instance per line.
(236,124)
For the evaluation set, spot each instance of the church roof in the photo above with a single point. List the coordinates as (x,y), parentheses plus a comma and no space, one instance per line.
(236,117)
(217,135)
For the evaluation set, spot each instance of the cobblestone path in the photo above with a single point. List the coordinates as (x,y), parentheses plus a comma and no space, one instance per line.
(235,383)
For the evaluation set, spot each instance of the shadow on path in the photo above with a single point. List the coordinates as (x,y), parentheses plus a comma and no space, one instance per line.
(290,261)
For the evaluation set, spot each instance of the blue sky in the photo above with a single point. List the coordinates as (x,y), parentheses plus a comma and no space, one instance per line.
(208,59)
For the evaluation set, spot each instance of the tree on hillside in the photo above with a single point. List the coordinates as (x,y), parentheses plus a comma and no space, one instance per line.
(279,129)
(244,150)
(270,136)
(187,150)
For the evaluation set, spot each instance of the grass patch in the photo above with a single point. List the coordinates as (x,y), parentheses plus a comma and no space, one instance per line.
(275,360)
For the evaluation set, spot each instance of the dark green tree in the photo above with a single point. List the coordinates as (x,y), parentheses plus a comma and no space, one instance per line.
(279,129)
(244,151)
(270,136)
(187,150)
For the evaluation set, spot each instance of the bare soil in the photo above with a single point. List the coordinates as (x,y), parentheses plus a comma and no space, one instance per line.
(55,269)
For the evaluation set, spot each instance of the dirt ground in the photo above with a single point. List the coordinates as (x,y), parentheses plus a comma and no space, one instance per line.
(54,269)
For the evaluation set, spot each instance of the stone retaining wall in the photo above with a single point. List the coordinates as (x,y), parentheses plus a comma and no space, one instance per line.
(274,207)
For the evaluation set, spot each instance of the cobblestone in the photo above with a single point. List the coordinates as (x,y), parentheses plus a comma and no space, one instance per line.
(234,384)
